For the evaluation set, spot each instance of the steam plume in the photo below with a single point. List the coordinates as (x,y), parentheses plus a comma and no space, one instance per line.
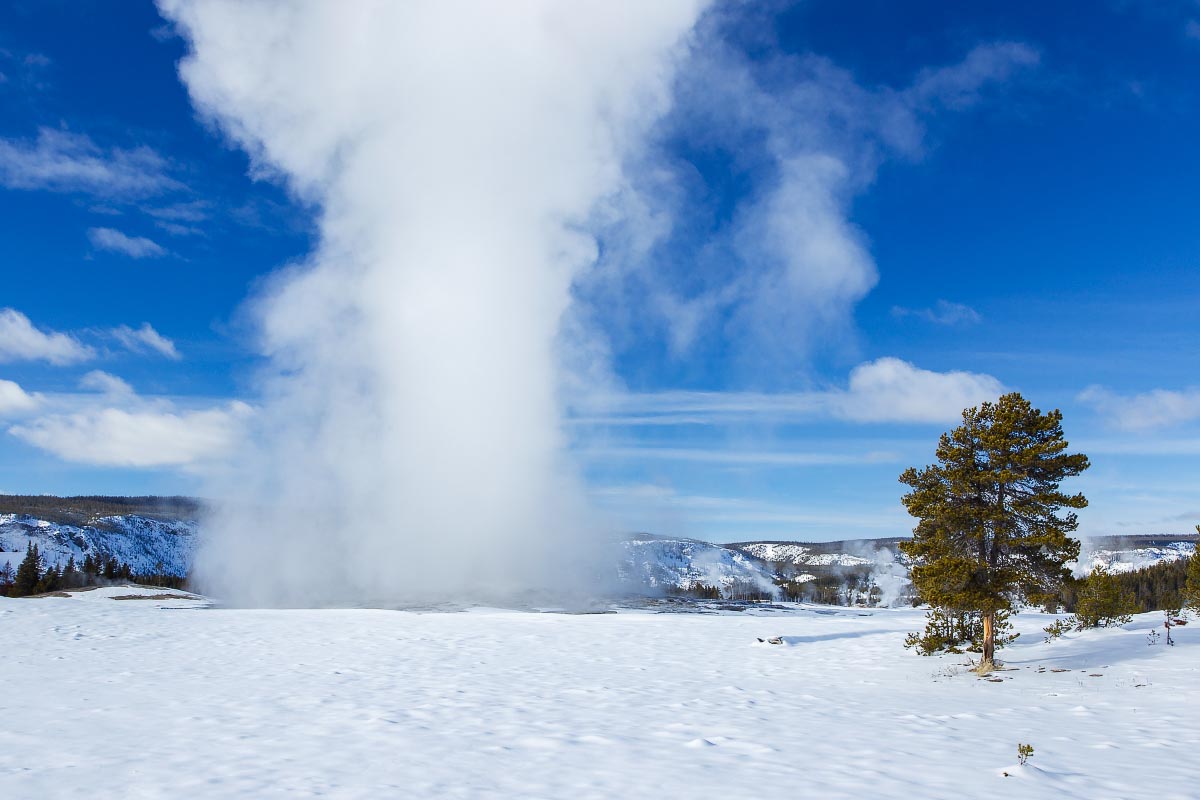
(408,440)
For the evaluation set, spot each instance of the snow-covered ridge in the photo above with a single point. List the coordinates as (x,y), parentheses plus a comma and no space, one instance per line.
(1135,557)
(658,563)
(148,545)
(801,555)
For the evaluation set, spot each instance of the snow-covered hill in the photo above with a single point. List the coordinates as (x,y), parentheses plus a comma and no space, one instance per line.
(657,563)
(1134,553)
(802,554)
(148,545)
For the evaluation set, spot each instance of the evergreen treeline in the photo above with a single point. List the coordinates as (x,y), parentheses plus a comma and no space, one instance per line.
(83,509)
(1154,588)
(31,577)
(739,590)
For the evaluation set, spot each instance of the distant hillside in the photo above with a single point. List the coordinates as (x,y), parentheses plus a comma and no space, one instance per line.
(150,534)
(662,563)
(846,553)
(160,534)
(1129,553)
(87,509)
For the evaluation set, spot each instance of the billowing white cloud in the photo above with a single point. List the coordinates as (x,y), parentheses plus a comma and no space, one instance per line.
(21,341)
(137,433)
(892,390)
(1159,408)
(62,161)
(14,399)
(145,338)
(115,241)
(943,313)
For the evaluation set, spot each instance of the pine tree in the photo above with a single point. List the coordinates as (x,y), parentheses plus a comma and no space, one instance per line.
(70,575)
(7,576)
(988,533)
(50,581)
(1103,601)
(29,572)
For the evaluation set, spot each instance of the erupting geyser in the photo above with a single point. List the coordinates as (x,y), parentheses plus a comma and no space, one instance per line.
(408,442)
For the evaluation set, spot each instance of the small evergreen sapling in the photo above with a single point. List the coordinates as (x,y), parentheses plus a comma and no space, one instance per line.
(1170,620)
(1024,751)
(7,576)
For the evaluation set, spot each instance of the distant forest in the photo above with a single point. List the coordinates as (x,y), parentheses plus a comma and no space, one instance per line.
(1157,587)
(84,510)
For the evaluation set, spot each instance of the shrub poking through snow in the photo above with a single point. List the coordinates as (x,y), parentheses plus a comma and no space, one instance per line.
(1058,628)
(1024,751)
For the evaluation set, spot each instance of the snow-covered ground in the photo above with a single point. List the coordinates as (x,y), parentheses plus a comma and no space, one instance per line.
(169,698)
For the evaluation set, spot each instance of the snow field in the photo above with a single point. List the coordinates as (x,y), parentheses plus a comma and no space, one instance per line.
(167,698)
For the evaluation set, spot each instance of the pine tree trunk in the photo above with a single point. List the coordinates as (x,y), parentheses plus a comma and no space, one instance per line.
(989,639)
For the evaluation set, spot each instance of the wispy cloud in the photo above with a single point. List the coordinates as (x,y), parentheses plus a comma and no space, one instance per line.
(21,341)
(176,229)
(63,161)
(885,390)
(26,69)
(735,457)
(779,276)
(1159,408)
(1192,29)
(191,211)
(115,241)
(106,383)
(961,85)
(943,313)
(649,501)
(145,338)
(179,219)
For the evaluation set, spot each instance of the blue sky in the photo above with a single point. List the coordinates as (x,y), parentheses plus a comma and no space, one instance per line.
(879,212)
